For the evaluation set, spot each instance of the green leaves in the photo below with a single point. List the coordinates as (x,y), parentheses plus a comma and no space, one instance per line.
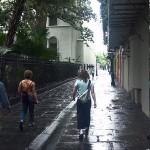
(31,15)
(102,59)
(104,15)
(70,11)
(75,15)
(2,38)
(32,44)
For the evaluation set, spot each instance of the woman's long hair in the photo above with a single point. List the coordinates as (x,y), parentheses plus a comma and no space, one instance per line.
(83,75)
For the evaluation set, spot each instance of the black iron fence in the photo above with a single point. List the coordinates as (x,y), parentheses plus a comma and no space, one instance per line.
(44,72)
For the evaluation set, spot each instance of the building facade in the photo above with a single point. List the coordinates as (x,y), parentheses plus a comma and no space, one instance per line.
(67,42)
(129,37)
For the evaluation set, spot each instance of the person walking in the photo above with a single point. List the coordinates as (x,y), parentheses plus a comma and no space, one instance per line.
(4,102)
(93,72)
(80,68)
(27,86)
(83,108)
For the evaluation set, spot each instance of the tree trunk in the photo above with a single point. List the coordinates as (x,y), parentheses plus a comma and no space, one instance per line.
(41,17)
(14,22)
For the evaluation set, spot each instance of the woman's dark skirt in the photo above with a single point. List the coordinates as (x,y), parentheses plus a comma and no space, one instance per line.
(83,114)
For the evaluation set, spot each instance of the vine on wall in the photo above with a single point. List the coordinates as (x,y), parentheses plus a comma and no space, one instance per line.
(104,16)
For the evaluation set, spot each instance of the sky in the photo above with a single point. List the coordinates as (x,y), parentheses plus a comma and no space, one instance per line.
(96,27)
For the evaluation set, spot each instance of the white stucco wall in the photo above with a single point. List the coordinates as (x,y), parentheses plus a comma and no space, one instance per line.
(130,68)
(79,51)
(89,56)
(142,28)
(61,23)
(126,75)
(132,65)
(63,37)
(66,40)
(69,43)
(136,75)
(135,47)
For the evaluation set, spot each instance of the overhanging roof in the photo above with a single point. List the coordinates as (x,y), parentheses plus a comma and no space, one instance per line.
(123,15)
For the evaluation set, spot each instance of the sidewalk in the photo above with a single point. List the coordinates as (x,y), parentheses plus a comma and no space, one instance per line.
(52,102)
(116,123)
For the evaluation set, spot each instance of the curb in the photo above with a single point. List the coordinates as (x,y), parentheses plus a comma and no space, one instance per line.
(41,139)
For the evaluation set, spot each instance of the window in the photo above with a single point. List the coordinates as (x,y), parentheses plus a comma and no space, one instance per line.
(52,20)
(53,43)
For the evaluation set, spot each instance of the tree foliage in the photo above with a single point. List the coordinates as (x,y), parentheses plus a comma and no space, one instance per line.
(32,44)
(18,8)
(102,58)
(32,15)
(2,38)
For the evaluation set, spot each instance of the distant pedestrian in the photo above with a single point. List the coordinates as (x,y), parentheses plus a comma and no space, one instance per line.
(4,102)
(79,71)
(83,109)
(27,86)
(93,73)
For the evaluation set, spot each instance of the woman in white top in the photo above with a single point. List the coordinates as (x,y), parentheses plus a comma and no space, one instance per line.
(83,109)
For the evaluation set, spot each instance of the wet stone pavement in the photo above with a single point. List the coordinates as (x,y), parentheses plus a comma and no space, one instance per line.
(52,102)
(116,123)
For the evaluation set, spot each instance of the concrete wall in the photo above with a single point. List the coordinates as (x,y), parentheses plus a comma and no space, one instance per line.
(89,56)
(62,23)
(126,74)
(122,72)
(66,39)
(69,43)
(142,29)
(130,69)
(135,69)
(135,43)
(135,65)
(79,51)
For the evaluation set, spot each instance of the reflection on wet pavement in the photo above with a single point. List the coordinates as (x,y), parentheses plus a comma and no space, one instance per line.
(52,102)
(116,123)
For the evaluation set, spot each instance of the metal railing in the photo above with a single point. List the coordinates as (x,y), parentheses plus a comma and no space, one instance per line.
(44,72)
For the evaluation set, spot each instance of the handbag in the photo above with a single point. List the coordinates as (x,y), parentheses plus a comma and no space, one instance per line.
(84,97)
(25,95)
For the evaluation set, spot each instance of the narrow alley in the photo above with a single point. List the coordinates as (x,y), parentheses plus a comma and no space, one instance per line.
(116,123)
